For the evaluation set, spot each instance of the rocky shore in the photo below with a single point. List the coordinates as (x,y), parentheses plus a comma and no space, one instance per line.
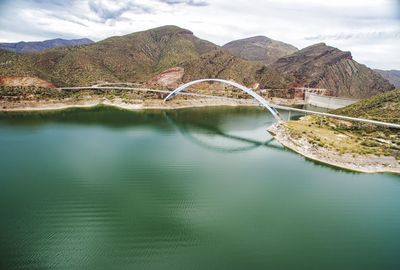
(368,163)
(119,103)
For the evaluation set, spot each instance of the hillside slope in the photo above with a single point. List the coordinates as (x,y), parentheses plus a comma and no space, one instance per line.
(393,76)
(261,49)
(134,57)
(141,56)
(12,64)
(322,66)
(383,107)
(37,46)
(174,55)
(221,64)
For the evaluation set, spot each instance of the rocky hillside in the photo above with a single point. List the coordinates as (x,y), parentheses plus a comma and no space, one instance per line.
(393,76)
(382,107)
(37,46)
(20,70)
(260,49)
(136,57)
(322,66)
(221,64)
(156,55)
(169,55)
(12,64)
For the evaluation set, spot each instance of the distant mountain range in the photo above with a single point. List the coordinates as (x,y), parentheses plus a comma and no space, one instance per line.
(37,46)
(150,55)
(393,76)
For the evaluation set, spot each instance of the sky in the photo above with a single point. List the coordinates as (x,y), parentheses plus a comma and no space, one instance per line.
(370,29)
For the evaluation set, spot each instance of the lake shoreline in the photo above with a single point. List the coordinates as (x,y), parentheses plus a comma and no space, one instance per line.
(152,105)
(321,155)
(353,162)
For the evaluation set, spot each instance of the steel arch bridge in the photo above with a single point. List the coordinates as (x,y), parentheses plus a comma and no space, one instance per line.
(257,97)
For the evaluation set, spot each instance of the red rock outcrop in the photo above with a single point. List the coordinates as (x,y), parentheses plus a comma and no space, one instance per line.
(25,81)
(169,78)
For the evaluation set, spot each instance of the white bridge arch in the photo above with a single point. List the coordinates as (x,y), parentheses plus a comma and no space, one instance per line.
(260,99)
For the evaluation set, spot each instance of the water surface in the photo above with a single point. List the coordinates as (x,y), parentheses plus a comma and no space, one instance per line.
(202,188)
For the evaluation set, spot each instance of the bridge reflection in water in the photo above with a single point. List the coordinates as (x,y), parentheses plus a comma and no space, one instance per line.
(191,132)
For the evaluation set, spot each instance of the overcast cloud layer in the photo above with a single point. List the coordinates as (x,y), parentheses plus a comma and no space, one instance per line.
(370,29)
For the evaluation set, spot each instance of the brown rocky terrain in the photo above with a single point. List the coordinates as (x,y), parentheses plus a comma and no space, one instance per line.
(393,76)
(150,55)
(169,78)
(25,81)
(322,66)
(355,146)
(169,55)
(261,49)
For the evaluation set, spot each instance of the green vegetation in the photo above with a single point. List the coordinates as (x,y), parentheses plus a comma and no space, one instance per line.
(137,58)
(140,56)
(355,138)
(10,95)
(384,107)
(12,64)
(346,138)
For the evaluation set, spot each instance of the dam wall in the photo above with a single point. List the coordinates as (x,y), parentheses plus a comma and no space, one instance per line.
(328,102)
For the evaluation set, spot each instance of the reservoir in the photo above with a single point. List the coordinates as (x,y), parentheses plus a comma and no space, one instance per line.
(201,188)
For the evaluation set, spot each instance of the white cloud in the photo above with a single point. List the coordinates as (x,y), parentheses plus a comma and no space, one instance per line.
(368,28)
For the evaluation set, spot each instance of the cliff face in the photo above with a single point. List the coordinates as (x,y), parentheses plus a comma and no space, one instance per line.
(322,66)
(393,76)
(260,49)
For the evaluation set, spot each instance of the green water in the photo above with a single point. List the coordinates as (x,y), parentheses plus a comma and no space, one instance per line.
(188,189)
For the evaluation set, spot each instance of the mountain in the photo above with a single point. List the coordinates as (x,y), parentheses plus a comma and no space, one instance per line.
(393,76)
(141,57)
(382,107)
(169,55)
(260,49)
(37,46)
(134,57)
(322,66)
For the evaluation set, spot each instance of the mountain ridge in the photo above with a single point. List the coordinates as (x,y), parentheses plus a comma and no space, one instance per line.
(323,66)
(37,46)
(260,48)
(393,76)
(143,56)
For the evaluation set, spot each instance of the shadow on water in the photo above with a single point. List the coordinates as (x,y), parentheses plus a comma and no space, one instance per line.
(111,117)
(188,129)
(187,121)
(104,116)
